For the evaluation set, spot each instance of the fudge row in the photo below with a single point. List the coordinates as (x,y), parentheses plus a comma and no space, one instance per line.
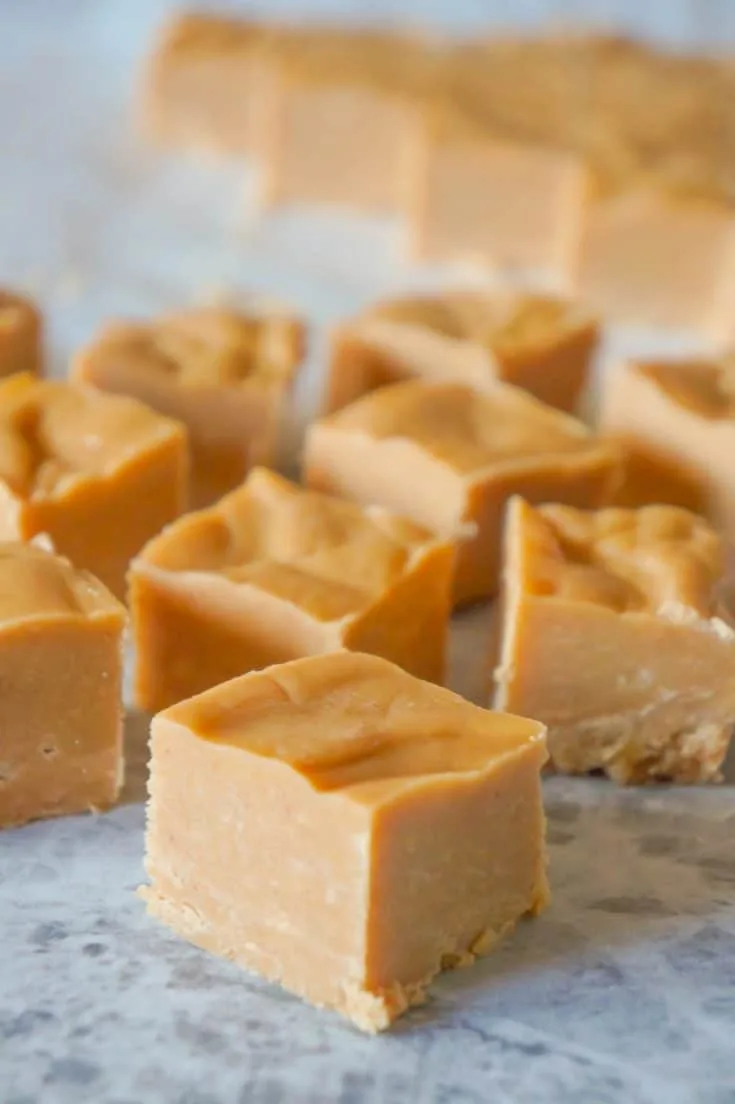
(598,160)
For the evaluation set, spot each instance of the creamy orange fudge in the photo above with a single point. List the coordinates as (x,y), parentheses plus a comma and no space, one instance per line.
(274,572)
(450,457)
(538,342)
(612,638)
(202,84)
(224,373)
(344,829)
(21,332)
(61,637)
(101,474)
(676,423)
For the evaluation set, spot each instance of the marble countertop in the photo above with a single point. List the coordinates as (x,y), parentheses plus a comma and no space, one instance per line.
(624,991)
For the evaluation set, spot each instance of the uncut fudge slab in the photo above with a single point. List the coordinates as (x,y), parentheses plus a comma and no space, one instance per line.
(225,374)
(61,635)
(676,423)
(345,829)
(450,457)
(538,342)
(274,572)
(611,637)
(21,332)
(341,115)
(101,474)
(201,85)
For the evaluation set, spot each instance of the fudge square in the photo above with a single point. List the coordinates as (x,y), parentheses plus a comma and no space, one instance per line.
(224,373)
(61,637)
(101,474)
(20,334)
(450,457)
(274,572)
(345,829)
(541,343)
(612,637)
(676,422)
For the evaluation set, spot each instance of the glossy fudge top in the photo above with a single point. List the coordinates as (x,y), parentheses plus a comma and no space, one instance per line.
(347,719)
(465,430)
(54,434)
(37,585)
(656,559)
(328,554)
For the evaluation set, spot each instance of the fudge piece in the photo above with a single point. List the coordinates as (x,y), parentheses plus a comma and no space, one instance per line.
(20,335)
(540,343)
(449,457)
(275,572)
(342,110)
(676,422)
(61,655)
(101,474)
(611,637)
(345,829)
(631,262)
(224,373)
(201,89)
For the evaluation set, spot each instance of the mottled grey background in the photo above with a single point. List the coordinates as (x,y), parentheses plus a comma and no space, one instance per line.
(623,992)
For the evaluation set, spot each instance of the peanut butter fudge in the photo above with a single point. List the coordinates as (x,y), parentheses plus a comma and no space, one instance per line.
(274,572)
(61,657)
(450,457)
(612,638)
(538,342)
(676,423)
(224,373)
(202,84)
(20,334)
(101,474)
(345,829)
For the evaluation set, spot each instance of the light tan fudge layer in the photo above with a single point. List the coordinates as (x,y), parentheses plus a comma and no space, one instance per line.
(101,474)
(611,637)
(450,457)
(202,85)
(224,374)
(274,572)
(61,658)
(538,342)
(344,829)
(676,423)
(21,335)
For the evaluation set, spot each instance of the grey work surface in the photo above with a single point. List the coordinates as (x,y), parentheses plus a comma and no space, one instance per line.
(623,991)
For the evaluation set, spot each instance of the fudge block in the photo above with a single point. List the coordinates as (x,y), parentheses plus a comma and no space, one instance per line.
(61,636)
(21,335)
(274,572)
(225,374)
(450,457)
(201,88)
(631,267)
(676,422)
(101,474)
(345,829)
(612,636)
(538,342)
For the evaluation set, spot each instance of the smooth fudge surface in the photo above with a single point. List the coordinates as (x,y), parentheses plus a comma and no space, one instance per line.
(613,636)
(21,334)
(450,457)
(344,829)
(224,373)
(676,422)
(61,636)
(101,474)
(541,343)
(274,572)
